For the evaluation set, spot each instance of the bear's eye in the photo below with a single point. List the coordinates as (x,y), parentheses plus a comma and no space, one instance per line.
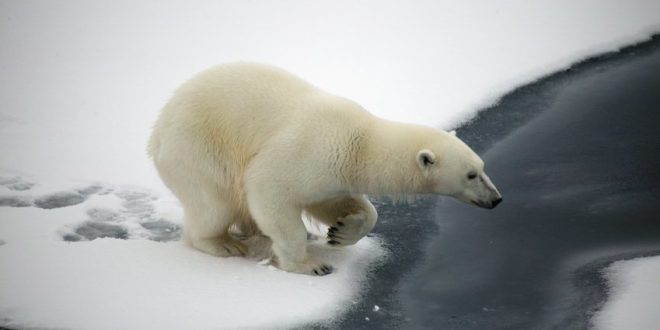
(471,176)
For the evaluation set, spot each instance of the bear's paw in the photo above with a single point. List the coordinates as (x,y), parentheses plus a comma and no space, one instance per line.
(349,229)
(309,267)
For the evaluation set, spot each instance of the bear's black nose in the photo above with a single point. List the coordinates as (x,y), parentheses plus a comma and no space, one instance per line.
(496,201)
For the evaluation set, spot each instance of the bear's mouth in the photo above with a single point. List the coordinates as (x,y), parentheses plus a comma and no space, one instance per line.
(487,205)
(481,204)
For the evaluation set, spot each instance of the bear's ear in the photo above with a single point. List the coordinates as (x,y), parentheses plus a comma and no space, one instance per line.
(425,158)
(453,132)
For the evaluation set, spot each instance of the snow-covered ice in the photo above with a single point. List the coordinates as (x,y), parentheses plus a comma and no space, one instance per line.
(89,235)
(634,296)
(133,275)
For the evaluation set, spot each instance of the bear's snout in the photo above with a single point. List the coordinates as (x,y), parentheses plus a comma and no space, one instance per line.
(488,205)
(494,202)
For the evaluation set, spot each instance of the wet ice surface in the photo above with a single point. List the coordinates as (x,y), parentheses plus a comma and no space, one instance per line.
(15,183)
(14,201)
(575,156)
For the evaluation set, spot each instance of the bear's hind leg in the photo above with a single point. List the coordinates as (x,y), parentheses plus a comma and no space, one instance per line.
(207,229)
(258,245)
(183,164)
(349,218)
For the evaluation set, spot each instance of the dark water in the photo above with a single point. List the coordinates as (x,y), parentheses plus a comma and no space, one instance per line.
(576,156)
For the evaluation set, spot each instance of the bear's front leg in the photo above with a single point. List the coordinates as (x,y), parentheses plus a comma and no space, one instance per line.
(279,218)
(349,218)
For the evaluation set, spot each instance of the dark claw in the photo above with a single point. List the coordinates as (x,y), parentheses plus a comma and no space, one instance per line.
(332,229)
(331,235)
(340,223)
(326,269)
(323,270)
(333,242)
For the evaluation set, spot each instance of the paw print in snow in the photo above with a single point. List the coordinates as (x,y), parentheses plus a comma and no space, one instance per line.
(136,219)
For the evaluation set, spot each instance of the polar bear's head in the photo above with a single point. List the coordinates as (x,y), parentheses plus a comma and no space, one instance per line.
(450,167)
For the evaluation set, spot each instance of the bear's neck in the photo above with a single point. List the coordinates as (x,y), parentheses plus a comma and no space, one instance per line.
(388,164)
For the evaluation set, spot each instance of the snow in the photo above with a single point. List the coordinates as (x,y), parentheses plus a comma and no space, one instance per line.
(140,283)
(82,83)
(634,291)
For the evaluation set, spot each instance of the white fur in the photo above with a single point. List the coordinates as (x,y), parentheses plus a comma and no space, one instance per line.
(243,144)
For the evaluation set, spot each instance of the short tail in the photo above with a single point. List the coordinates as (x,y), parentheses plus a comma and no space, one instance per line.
(153,146)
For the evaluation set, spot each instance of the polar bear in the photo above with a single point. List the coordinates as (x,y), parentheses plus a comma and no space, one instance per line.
(252,147)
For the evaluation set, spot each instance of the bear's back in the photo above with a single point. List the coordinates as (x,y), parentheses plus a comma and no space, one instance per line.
(236,107)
